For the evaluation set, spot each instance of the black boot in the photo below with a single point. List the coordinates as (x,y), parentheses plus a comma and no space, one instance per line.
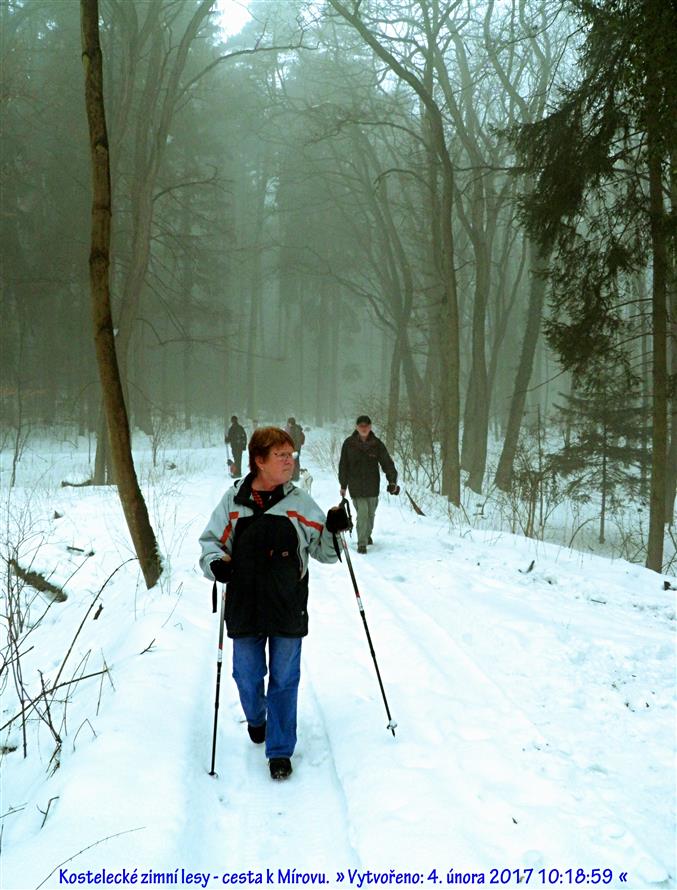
(257,733)
(280,767)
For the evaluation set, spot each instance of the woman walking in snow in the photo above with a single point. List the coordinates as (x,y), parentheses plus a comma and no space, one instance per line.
(258,542)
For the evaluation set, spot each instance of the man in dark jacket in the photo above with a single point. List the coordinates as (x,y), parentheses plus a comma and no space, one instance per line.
(361,456)
(237,439)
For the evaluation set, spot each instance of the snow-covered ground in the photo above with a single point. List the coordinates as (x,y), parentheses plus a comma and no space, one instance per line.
(536,731)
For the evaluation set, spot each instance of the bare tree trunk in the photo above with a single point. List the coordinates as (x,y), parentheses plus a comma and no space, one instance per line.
(525,367)
(252,345)
(394,392)
(322,310)
(602,515)
(255,346)
(333,397)
(187,361)
(671,489)
(504,305)
(102,468)
(449,331)
(186,278)
(476,424)
(162,88)
(449,323)
(300,346)
(133,504)
(138,396)
(659,442)
(645,347)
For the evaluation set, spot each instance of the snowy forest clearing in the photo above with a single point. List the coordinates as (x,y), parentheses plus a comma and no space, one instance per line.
(535,708)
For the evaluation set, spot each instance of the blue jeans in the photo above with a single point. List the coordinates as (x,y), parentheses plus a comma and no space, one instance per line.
(277,707)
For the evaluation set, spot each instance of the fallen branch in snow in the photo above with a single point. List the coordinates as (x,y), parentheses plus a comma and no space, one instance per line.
(148,647)
(45,813)
(72,549)
(48,717)
(84,850)
(39,582)
(12,810)
(86,720)
(106,672)
(413,503)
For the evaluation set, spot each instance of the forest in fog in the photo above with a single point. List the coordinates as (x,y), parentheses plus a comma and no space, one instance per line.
(455,215)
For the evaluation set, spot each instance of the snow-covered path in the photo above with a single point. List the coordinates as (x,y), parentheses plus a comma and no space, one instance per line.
(535,716)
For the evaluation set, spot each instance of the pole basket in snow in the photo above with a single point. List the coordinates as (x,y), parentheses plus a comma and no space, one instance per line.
(391,723)
(219,661)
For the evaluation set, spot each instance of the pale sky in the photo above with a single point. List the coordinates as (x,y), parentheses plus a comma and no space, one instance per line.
(234,15)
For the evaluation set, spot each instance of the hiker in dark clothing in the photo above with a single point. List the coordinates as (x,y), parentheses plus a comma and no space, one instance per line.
(237,439)
(258,542)
(295,430)
(362,454)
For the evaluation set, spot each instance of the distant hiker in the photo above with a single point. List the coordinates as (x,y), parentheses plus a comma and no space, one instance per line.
(361,455)
(298,438)
(237,439)
(258,541)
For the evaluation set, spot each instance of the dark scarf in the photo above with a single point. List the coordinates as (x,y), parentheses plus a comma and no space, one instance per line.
(259,501)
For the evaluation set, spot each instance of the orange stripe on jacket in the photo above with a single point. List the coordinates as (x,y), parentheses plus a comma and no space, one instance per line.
(229,528)
(292,514)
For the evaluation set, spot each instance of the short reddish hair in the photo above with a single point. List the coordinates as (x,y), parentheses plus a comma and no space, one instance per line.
(263,440)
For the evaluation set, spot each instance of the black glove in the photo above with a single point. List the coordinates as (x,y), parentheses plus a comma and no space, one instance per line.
(393,488)
(221,570)
(337,520)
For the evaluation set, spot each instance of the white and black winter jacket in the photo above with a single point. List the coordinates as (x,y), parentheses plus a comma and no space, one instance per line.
(268,589)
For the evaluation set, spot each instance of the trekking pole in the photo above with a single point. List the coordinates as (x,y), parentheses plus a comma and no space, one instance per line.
(413,503)
(391,723)
(219,660)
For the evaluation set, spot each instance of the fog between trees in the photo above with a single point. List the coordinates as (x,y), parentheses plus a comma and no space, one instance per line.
(456,216)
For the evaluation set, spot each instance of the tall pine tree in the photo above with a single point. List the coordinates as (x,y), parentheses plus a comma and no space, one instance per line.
(606,450)
(601,162)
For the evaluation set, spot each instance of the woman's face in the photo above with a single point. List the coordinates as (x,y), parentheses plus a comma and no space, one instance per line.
(278,467)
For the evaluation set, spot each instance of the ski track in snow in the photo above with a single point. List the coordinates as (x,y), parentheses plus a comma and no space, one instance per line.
(460,705)
(241,812)
(501,759)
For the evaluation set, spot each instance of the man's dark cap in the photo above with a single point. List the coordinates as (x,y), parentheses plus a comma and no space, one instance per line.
(363,418)
(234,417)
